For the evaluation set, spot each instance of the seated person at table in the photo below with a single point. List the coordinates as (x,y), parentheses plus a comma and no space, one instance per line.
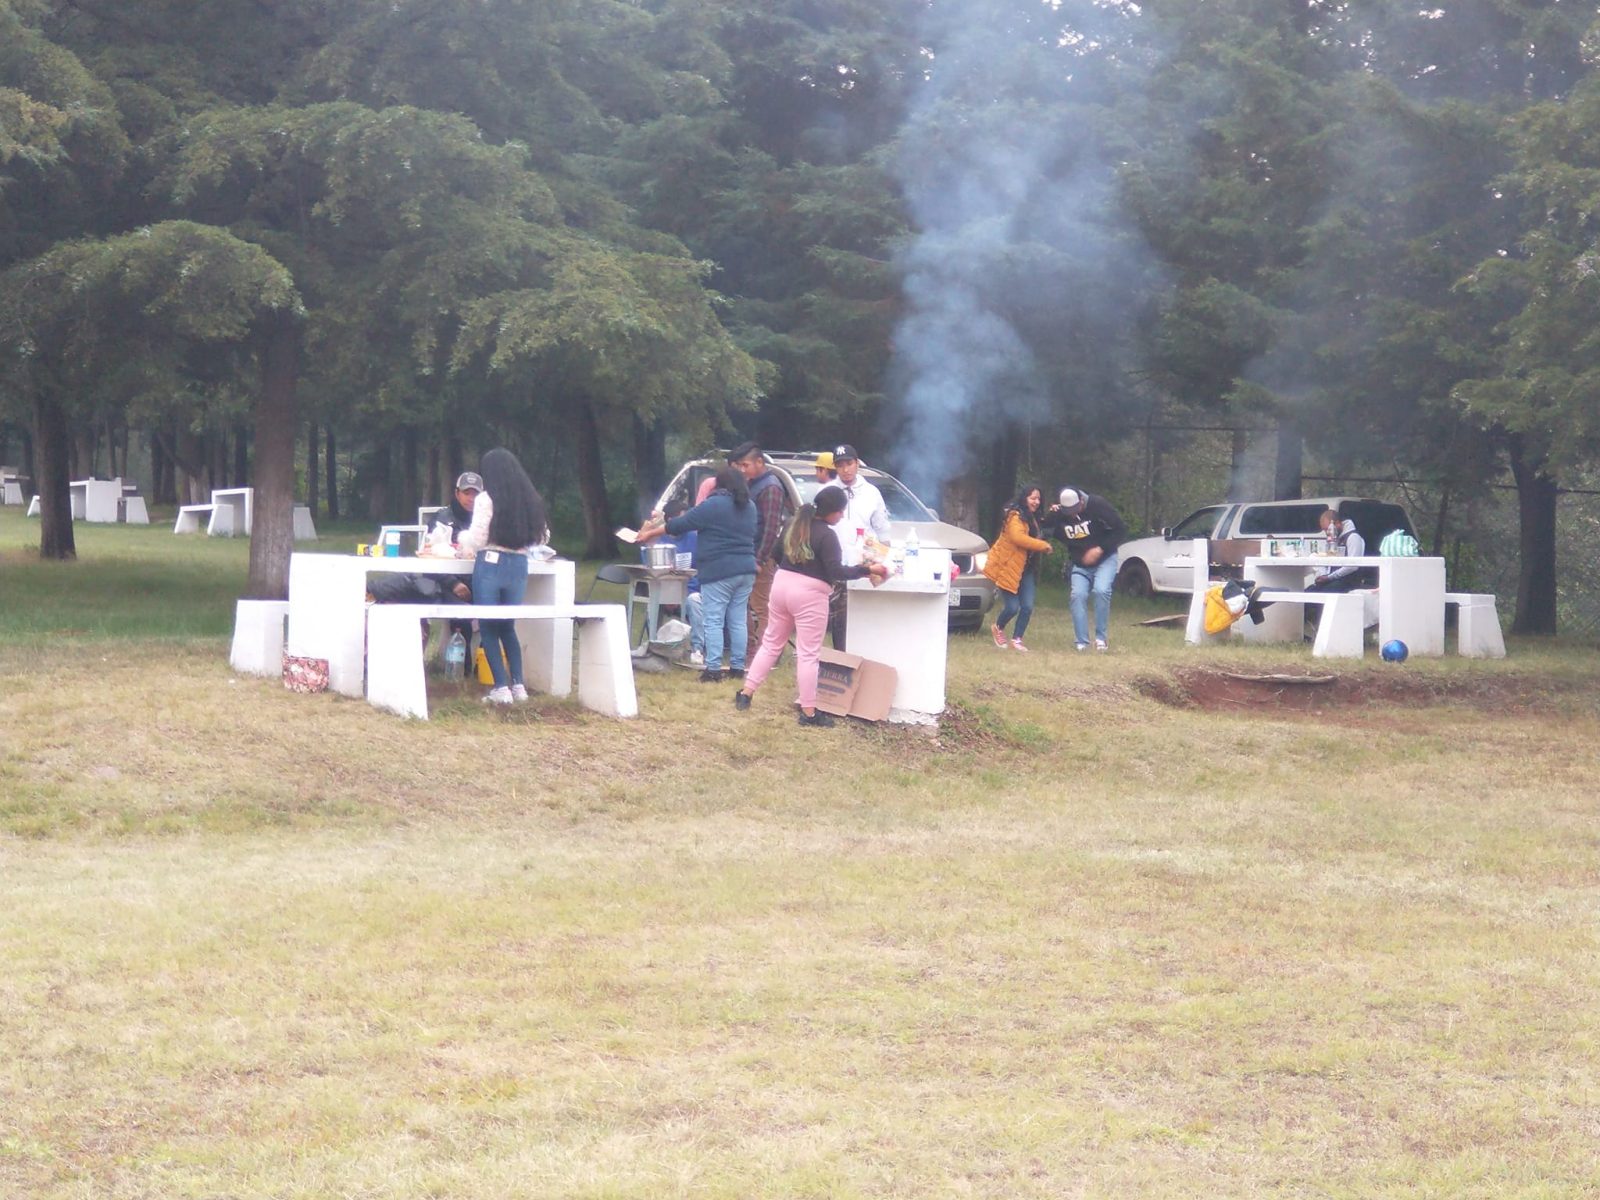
(456,516)
(1344,541)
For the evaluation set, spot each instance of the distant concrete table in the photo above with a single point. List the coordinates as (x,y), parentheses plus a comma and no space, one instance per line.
(232,512)
(904,623)
(96,500)
(1410,596)
(328,614)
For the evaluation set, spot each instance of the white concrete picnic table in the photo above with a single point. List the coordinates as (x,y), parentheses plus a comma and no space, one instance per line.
(1410,594)
(328,607)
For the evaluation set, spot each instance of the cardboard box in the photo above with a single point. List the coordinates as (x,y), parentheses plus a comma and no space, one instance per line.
(851,686)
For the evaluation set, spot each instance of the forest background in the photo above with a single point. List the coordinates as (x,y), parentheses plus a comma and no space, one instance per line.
(334,248)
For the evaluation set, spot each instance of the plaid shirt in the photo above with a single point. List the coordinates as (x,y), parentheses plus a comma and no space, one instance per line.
(772,505)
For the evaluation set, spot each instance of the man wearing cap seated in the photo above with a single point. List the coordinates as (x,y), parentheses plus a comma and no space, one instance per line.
(457,516)
(864,513)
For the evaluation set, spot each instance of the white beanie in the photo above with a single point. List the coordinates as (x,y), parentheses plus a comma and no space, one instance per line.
(1071,497)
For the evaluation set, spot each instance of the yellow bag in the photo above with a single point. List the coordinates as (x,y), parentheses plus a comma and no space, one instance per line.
(1220,615)
(480,661)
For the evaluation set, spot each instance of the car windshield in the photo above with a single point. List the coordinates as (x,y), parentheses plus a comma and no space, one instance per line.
(1196,524)
(897,498)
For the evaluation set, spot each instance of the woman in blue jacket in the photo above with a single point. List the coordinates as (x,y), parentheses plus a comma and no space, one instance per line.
(725,564)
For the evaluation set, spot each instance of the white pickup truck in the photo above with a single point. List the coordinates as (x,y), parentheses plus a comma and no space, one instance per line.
(1165,564)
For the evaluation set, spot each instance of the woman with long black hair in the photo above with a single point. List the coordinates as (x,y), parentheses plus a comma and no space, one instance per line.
(508,518)
(809,564)
(1013,563)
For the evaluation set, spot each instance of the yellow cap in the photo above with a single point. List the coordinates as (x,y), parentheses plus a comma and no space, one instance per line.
(825,460)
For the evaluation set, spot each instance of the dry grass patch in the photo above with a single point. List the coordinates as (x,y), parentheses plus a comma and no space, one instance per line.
(1078,942)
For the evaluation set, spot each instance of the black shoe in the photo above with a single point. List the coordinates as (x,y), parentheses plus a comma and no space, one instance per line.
(741,701)
(735,672)
(711,676)
(820,719)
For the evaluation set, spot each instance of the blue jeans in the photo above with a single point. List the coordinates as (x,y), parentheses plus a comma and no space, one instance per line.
(1097,579)
(1019,604)
(726,602)
(503,582)
(693,604)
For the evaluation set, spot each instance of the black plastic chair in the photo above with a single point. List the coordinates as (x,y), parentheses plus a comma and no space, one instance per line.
(617,573)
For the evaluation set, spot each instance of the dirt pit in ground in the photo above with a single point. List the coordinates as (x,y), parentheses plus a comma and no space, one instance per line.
(1313,693)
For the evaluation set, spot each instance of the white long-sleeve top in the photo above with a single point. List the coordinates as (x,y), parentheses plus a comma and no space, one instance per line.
(476,536)
(864,509)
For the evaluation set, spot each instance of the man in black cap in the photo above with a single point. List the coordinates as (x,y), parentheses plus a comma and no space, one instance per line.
(457,515)
(864,513)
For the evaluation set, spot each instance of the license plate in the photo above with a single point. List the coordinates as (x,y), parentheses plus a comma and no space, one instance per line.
(955,598)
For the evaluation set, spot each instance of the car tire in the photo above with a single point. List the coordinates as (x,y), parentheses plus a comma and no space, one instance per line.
(1134,581)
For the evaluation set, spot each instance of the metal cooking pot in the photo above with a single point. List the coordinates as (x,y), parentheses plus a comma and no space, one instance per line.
(660,557)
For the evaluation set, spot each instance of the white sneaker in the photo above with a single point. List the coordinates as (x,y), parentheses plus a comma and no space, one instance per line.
(499,695)
(1083,646)
(1100,644)
(697,658)
(519,693)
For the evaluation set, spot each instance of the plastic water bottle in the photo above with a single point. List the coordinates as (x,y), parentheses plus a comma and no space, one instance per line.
(913,546)
(455,657)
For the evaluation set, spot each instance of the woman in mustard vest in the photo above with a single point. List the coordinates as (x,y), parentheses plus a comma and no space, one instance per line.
(1013,564)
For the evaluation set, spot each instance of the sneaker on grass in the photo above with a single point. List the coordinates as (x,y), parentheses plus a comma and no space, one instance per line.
(1016,644)
(519,693)
(499,695)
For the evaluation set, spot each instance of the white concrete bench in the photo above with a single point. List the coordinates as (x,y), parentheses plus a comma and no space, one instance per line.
(395,679)
(11,492)
(305,529)
(133,511)
(258,637)
(189,517)
(33,505)
(1341,631)
(1478,632)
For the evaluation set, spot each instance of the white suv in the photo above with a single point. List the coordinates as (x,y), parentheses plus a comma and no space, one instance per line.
(1165,563)
(971,592)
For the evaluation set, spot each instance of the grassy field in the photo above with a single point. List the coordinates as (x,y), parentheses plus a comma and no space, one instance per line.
(1120,929)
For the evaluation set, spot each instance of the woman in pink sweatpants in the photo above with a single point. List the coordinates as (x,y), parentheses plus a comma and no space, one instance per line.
(808,567)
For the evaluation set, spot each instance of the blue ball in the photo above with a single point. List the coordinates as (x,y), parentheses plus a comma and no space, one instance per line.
(1395,651)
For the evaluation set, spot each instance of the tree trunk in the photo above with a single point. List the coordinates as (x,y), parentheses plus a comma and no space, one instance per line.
(379,484)
(53,464)
(649,463)
(27,457)
(997,484)
(1238,470)
(331,461)
(241,457)
(1536,520)
(1288,465)
(435,486)
(313,483)
(277,420)
(410,475)
(597,527)
(454,459)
